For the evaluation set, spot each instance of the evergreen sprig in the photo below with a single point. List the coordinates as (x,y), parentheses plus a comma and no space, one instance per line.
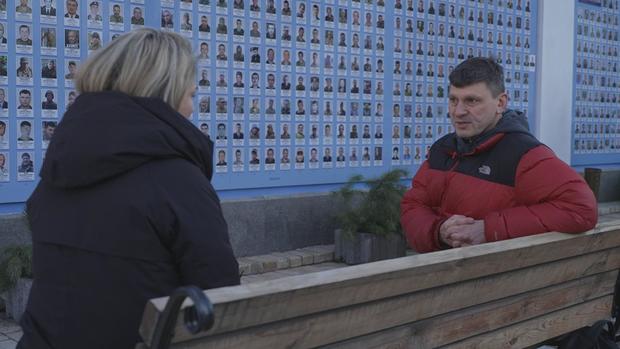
(375,210)
(16,263)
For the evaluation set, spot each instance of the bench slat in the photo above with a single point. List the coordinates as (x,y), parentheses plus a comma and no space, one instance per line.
(260,303)
(361,319)
(534,331)
(460,325)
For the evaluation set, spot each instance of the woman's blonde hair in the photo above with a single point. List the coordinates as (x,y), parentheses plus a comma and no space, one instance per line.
(144,63)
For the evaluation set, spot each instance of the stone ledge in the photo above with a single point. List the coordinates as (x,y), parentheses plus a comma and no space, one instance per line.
(608,207)
(285,260)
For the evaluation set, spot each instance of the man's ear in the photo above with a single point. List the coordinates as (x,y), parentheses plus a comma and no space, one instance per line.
(502,102)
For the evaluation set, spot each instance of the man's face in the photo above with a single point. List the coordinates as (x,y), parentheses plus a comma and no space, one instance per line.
(473,109)
(2,95)
(24,99)
(25,130)
(24,32)
(221,130)
(137,13)
(204,129)
(72,68)
(49,131)
(167,16)
(116,10)
(49,97)
(94,9)
(71,37)
(221,49)
(2,129)
(72,6)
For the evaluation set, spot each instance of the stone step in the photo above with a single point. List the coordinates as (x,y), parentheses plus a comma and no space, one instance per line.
(285,260)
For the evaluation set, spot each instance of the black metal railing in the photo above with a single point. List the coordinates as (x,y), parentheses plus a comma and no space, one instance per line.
(199,317)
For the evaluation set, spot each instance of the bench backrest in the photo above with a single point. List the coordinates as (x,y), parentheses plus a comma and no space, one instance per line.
(512,293)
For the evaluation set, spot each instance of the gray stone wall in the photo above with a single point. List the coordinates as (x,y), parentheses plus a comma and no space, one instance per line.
(256,226)
(13,230)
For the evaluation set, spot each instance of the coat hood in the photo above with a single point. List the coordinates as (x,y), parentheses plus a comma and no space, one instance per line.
(105,134)
(512,121)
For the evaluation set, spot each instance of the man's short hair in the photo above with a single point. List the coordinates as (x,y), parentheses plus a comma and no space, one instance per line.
(25,123)
(71,63)
(49,92)
(478,69)
(24,91)
(24,26)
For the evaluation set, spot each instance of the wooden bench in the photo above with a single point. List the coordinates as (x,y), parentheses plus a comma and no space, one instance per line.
(509,294)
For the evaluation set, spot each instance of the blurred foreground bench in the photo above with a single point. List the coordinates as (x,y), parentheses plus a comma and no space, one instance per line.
(509,294)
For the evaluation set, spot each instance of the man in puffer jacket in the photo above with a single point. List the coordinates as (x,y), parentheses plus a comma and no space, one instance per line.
(492,179)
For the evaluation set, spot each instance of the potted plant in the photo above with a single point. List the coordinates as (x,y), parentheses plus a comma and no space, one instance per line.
(16,278)
(370,223)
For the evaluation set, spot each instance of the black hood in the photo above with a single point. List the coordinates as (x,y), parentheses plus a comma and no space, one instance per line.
(512,121)
(105,134)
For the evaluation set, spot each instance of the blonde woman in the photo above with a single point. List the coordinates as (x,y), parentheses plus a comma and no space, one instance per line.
(125,210)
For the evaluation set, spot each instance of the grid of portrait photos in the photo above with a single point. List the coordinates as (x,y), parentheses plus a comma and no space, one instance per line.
(431,38)
(42,43)
(344,84)
(596,121)
(291,91)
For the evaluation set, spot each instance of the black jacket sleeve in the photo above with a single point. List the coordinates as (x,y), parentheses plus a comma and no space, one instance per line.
(197,233)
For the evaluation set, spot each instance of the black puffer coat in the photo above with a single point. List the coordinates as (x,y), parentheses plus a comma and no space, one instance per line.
(124,212)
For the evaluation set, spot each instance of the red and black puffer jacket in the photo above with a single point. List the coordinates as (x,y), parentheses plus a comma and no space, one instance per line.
(506,177)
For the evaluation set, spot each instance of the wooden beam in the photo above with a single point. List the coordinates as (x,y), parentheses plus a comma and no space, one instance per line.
(361,319)
(476,320)
(536,330)
(258,303)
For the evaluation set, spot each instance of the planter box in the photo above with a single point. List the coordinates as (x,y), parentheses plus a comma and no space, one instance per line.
(366,247)
(604,183)
(17,298)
